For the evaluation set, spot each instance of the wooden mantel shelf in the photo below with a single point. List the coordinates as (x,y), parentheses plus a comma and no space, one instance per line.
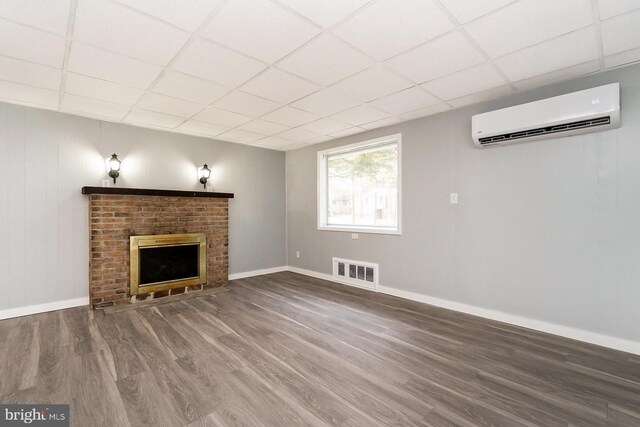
(153,192)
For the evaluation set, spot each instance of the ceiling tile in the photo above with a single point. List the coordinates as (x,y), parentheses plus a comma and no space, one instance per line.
(483,96)
(325,126)
(169,105)
(212,62)
(201,128)
(219,117)
(90,87)
(259,28)
(466,82)
(407,100)
(188,87)
(386,28)
(298,135)
(263,127)
(120,29)
(325,12)
(243,103)
(111,71)
(610,8)
(38,97)
(279,86)
(32,45)
(381,123)
(51,16)
(528,22)
(93,107)
(623,58)
(272,142)
(290,116)
(28,73)
(151,118)
(426,111)
(347,132)
(562,52)
(242,136)
(325,60)
(91,61)
(465,10)
(557,76)
(318,139)
(360,114)
(444,55)
(255,144)
(325,102)
(176,12)
(296,145)
(371,84)
(621,33)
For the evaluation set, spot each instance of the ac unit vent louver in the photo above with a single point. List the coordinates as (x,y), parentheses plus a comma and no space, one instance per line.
(591,110)
(357,273)
(581,124)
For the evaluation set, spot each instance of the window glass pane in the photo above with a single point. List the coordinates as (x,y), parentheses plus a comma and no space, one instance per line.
(362,187)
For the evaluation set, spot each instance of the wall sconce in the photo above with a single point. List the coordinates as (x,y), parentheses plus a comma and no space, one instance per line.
(114,167)
(205,173)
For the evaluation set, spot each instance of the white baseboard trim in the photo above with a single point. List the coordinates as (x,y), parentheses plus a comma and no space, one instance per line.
(550,328)
(257,272)
(42,308)
(59,305)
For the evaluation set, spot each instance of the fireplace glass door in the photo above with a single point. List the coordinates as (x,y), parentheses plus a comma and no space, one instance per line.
(167,261)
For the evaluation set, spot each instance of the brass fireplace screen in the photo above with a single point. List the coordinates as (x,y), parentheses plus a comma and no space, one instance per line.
(167,261)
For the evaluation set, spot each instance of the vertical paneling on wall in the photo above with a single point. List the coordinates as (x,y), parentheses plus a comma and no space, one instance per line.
(545,230)
(15,236)
(47,157)
(5,132)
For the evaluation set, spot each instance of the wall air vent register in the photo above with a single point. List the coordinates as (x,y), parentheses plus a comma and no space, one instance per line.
(357,273)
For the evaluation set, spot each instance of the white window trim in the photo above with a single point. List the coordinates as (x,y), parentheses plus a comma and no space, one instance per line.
(322,187)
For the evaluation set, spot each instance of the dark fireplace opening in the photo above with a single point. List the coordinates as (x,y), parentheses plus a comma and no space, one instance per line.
(166,263)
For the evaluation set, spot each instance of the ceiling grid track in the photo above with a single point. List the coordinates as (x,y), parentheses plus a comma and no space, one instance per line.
(194,36)
(383,72)
(73,6)
(598,32)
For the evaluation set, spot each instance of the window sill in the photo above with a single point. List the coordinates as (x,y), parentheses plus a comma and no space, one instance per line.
(355,229)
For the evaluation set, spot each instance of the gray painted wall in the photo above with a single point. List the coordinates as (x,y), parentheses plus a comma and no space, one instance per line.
(548,230)
(45,159)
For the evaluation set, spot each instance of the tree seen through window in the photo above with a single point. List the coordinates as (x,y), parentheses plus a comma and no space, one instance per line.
(362,187)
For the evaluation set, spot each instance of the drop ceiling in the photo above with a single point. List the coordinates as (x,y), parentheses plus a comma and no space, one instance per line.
(288,73)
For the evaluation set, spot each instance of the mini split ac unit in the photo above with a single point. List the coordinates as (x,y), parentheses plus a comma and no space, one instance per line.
(590,110)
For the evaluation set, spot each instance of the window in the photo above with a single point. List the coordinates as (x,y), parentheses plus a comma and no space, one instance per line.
(359,187)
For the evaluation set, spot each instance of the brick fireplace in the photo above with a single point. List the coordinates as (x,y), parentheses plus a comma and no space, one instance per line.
(116,214)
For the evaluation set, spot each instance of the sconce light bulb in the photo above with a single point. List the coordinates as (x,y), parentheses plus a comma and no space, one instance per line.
(114,167)
(205,174)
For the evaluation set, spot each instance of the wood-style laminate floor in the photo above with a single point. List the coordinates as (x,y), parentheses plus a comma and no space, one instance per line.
(289,350)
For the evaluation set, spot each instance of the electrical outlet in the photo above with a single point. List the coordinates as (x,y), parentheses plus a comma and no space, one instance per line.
(354,236)
(453,198)
(297,254)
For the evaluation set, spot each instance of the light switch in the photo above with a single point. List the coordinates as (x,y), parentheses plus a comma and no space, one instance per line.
(354,236)
(453,198)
